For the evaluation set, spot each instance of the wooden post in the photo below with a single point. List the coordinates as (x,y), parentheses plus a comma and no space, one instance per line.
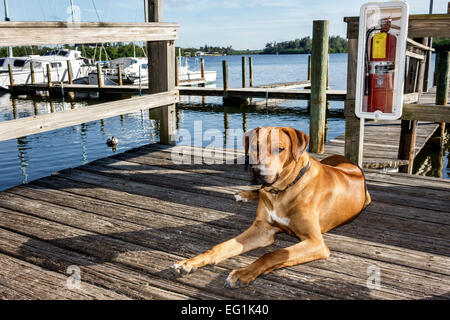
(177,73)
(250,70)
(442,64)
(11,76)
(225,75)
(99,76)
(328,73)
(69,72)
(32,76)
(161,62)
(202,73)
(49,76)
(244,72)
(202,68)
(354,127)
(426,81)
(406,149)
(407,144)
(318,85)
(309,68)
(442,67)
(119,75)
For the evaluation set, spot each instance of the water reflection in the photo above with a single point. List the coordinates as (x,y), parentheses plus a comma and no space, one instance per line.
(432,158)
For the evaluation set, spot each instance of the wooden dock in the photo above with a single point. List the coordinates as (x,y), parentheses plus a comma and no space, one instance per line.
(381,143)
(126,219)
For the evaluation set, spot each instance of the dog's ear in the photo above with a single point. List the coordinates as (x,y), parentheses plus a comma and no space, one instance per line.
(246,142)
(299,141)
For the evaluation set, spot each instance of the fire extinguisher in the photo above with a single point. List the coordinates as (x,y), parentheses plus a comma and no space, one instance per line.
(380,67)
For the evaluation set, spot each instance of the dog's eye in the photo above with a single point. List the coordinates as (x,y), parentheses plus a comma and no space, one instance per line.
(280,149)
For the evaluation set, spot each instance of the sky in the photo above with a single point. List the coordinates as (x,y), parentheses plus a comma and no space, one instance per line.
(244,24)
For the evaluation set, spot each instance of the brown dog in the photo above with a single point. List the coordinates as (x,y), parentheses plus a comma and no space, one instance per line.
(299,195)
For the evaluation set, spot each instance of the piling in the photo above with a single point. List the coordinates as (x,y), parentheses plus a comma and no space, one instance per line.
(225,75)
(11,76)
(250,71)
(244,72)
(119,75)
(49,76)
(319,64)
(309,68)
(69,72)
(202,68)
(177,73)
(442,65)
(99,76)
(32,76)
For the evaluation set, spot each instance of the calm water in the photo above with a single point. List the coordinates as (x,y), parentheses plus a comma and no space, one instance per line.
(25,159)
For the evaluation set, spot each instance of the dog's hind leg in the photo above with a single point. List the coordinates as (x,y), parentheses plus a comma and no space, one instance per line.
(260,234)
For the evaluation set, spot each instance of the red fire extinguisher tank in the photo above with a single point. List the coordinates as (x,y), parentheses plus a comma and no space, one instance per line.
(382,71)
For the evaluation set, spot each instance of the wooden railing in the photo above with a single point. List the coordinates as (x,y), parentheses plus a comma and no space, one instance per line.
(162,95)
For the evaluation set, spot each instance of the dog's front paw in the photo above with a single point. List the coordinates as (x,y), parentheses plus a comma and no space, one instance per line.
(183,267)
(239,198)
(238,279)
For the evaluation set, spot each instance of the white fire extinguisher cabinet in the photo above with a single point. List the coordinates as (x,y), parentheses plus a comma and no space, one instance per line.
(383,28)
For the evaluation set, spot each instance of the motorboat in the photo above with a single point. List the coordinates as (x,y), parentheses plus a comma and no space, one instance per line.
(57,59)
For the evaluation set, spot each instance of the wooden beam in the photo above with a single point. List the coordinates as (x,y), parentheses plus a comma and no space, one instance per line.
(46,122)
(426,112)
(255,92)
(319,64)
(415,55)
(46,33)
(418,45)
(420,25)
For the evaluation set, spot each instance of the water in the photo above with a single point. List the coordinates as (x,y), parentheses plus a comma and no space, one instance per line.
(26,159)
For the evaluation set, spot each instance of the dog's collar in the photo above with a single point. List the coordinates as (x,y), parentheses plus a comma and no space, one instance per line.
(300,175)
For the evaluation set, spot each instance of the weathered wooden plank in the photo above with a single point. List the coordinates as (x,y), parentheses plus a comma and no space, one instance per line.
(47,285)
(255,92)
(114,277)
(7,293)
(145,258)
(432,245)
(45,33)
(426,112)
(177,206)
(195,232)
(420,25)
(46,122)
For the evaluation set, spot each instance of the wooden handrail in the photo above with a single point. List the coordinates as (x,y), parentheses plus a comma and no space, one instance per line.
(46,33)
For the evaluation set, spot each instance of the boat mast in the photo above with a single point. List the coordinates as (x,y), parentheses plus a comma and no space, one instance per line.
(71,7)
(5,2)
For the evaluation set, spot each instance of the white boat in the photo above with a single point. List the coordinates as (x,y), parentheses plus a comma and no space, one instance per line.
(57,59)
(135,71)
(187,74)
